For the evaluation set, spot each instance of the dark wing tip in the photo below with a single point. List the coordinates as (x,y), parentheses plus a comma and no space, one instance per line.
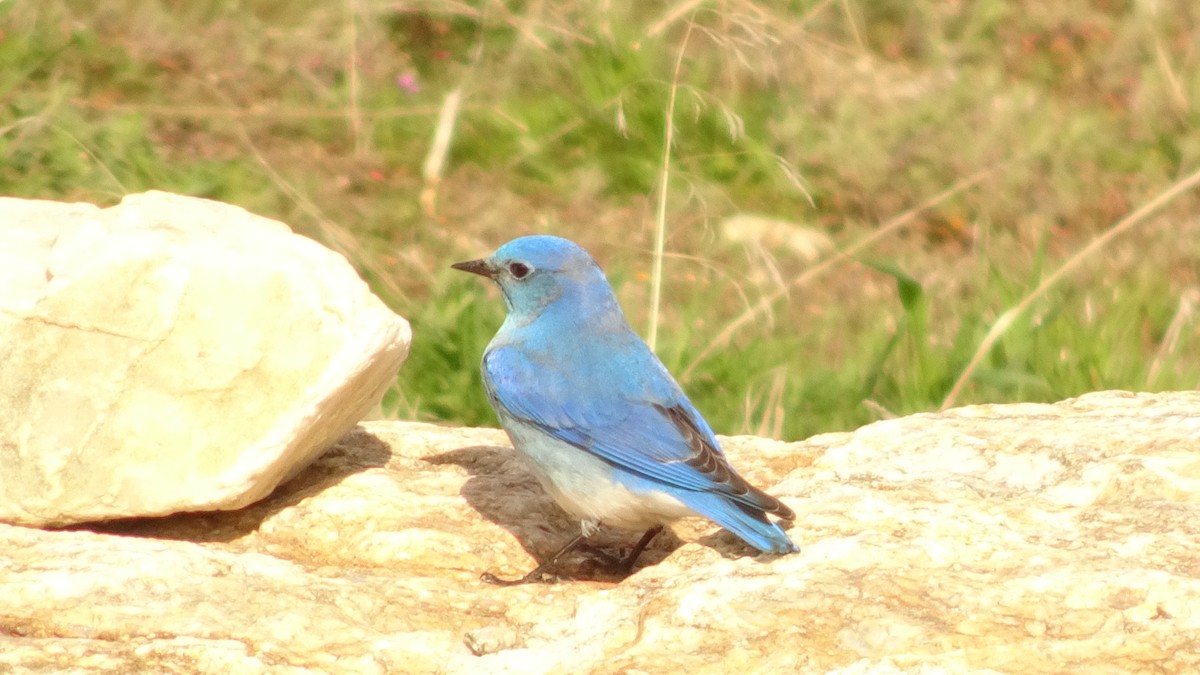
(778,508)
(707,459)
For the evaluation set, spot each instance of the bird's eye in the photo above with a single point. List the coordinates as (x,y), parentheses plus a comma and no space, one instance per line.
(519,270)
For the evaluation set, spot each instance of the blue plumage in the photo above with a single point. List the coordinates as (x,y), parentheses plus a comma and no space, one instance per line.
(605,427)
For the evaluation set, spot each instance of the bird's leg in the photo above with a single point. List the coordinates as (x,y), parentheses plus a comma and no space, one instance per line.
(625,566)
(536,575)
(619,565)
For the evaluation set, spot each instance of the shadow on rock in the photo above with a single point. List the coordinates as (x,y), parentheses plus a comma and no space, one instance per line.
(504,492)
(356,451)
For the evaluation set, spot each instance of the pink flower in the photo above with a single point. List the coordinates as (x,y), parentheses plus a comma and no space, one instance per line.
(408,82)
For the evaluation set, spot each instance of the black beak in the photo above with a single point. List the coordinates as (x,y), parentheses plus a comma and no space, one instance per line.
(479,267)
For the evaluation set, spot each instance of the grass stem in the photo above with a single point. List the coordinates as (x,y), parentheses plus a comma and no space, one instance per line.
(660,217)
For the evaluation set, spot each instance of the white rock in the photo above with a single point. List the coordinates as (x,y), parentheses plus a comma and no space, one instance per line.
(762,233)
(173,353)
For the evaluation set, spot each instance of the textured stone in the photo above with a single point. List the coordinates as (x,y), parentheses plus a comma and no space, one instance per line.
(1015,538)
(173,353)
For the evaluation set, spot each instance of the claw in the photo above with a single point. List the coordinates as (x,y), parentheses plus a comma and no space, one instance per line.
(542,574)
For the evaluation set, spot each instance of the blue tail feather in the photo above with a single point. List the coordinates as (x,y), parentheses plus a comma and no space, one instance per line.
(754,528)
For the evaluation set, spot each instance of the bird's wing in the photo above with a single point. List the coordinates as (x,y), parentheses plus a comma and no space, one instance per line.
(647,427)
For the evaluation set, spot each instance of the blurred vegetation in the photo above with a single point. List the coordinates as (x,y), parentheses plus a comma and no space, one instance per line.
(833,117)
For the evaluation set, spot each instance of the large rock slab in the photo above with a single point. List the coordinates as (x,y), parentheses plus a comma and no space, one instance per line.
(171,354)
(1016,538)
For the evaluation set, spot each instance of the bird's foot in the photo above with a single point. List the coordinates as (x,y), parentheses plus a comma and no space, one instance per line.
(622,565)
(539,575)
(545,573)
(600,555)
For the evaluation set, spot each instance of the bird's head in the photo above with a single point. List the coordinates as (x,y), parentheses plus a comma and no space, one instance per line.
(535,271)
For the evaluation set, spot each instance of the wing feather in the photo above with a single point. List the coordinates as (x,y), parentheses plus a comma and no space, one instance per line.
(648,427)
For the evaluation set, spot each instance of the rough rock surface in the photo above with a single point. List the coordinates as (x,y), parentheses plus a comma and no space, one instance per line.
(173,353)
(1017,538)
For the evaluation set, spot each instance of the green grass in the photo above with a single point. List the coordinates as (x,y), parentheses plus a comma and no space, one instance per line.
(835,117)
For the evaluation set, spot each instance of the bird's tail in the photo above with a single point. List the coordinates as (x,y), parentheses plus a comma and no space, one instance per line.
(751,525)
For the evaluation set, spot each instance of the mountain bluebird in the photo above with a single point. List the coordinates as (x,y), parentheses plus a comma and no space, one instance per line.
(603,425)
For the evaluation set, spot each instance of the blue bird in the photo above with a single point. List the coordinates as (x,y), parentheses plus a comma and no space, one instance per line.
(600,421)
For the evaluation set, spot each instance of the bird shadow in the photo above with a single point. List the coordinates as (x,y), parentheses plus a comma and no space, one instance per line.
(356,451)
(504,492)
(498,487)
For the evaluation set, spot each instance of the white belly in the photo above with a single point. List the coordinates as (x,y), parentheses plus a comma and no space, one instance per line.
(587,487)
